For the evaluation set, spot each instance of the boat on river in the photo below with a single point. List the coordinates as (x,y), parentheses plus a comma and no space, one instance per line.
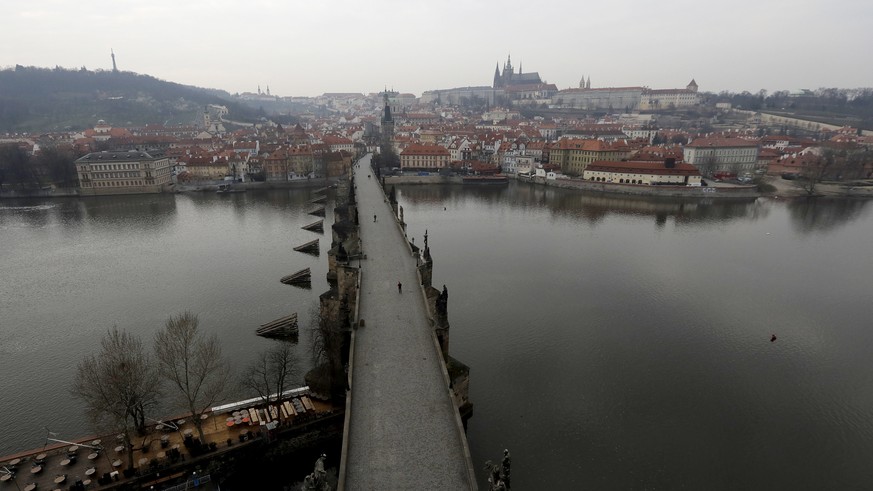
(228,188)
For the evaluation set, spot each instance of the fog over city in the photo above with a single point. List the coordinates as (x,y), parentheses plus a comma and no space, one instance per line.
(308,48)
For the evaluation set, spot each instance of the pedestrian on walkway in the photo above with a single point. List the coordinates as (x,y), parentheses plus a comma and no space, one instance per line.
(399,287)
(374,218)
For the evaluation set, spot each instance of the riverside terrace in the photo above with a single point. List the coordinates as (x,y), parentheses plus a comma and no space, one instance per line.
(161,456)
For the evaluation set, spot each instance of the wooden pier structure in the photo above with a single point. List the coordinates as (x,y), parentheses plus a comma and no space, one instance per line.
(310,247)
(315,227)
(280,328)
(300,277)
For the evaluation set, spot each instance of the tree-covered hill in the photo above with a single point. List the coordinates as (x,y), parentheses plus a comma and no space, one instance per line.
(44,99)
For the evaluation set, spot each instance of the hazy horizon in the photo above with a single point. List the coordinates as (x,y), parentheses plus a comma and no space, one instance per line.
(414,46)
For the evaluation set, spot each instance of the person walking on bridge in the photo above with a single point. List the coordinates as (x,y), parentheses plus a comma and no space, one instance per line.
(374,218)
(399,287)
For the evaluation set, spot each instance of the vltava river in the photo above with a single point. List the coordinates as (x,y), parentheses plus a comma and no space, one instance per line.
(615,343)
(72,268)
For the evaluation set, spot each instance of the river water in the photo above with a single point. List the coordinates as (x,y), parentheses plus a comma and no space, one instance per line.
(615,343)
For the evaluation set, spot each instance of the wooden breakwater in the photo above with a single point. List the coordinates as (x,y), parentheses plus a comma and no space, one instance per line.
(282,327)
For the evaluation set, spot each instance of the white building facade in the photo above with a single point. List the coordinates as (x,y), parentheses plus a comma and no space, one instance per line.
(133,172)
(722,155)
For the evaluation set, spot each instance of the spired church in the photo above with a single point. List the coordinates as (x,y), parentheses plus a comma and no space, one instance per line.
(509,78)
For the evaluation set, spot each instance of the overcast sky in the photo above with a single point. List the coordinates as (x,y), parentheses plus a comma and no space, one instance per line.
(308,47)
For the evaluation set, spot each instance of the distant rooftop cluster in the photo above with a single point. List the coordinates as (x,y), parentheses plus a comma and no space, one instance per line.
(518,126)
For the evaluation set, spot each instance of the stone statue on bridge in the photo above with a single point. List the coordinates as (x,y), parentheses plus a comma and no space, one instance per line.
(442,303)
(507,461)
(498,474)
(317,481)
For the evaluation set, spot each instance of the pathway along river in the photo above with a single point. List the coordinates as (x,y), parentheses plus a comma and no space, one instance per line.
(615,343)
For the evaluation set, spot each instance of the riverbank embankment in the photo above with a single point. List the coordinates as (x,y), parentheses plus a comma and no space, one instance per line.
(725,191)
(194,187)
(785,188)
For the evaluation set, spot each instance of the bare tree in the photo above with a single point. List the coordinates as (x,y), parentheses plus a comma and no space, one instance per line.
(118,386)
(271,374)
(813,170)
(193,364)
(329,353)
(857,161)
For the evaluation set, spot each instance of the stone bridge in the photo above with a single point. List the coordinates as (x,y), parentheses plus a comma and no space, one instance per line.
(403,429)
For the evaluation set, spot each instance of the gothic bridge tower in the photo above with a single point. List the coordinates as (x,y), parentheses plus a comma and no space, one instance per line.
(387,125)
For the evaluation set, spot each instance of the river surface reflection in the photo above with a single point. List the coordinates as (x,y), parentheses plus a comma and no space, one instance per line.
(72,268)
(614,342)
(623,343)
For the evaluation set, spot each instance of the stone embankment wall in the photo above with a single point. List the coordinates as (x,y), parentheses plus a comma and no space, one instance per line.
(643,190)
(422,180)
(297,183)
(39,193)
(611,188)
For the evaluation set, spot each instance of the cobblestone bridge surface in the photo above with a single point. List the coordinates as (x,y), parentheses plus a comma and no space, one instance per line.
(403,432)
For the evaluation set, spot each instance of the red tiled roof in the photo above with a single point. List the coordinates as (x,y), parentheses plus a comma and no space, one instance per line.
(590,145)
(642,168)
(421,149)
(336,140)
(721,142)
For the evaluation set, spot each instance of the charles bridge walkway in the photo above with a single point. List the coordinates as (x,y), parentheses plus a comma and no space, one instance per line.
(403,430)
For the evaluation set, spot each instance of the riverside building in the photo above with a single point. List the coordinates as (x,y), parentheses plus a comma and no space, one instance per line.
(729,156)
(647,173)
(132,172)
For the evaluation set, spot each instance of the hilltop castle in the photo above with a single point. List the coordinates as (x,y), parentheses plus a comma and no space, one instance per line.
(509,78)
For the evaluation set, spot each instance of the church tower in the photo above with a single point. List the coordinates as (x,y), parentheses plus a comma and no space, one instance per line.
(508,70)
(387,121)
(497,75)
